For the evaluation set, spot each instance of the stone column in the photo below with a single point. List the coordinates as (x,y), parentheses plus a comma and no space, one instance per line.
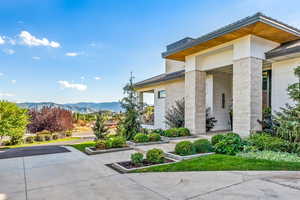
(195,93)
(247,95)
(140,99)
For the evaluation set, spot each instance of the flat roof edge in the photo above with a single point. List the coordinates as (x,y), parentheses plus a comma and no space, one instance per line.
(258,17)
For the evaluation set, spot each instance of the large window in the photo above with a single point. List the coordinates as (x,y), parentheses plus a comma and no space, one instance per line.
(162,94)
(266,88)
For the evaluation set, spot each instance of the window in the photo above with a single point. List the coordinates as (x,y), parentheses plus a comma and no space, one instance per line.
(162,94)
(223,100)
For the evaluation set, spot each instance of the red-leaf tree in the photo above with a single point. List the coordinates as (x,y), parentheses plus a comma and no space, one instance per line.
(50,119)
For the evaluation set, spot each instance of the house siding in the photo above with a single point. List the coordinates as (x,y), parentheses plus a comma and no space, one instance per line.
(282,77)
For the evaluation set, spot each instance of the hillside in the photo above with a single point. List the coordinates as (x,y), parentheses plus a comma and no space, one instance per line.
(82,107)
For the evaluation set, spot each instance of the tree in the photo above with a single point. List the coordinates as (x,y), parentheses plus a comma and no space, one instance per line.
(99,128)
(130,124)
(50,119)
(13,121)
(288,119)
(176,114)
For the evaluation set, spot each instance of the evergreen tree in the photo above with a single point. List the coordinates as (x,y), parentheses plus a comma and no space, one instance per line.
(99,128)
(288,119)
(130,124)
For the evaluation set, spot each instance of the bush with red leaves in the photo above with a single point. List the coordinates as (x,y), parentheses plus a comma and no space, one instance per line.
(50,119)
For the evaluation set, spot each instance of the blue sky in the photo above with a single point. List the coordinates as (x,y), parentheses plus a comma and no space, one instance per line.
(84,50)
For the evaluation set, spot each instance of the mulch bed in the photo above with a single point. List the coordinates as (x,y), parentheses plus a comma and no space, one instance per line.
(32,151)
(130,165)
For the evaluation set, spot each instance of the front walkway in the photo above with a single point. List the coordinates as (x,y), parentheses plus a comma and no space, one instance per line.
(74,175)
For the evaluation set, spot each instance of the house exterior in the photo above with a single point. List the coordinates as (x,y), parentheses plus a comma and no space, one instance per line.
(244,67)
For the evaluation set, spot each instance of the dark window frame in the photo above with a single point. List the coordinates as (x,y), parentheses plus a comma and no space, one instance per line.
(161,94)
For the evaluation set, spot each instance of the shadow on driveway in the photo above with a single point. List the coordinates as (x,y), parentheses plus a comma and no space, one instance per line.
(32,151)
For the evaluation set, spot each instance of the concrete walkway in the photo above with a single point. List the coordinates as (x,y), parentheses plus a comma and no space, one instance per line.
(74,175)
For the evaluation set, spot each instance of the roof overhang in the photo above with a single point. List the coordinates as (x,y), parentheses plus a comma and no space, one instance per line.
(162,78)
(258,24)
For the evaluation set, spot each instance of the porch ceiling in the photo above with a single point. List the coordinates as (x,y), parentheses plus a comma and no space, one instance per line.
(258,25)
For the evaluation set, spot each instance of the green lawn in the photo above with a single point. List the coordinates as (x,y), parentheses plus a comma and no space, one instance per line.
(82,146)
(39,143)
(219,162)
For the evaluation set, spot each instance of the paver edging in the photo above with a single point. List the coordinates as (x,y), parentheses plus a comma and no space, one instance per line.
(179,138)
(125,170)
(179,158)
(90,151)
(163,141)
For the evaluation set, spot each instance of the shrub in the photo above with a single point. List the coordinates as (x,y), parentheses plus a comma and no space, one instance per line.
(155,156)
(39,138)
(44,132)
(175,115)
(69,133)
(183,132)
(140,138)
(54,136)
(230,144)
(47,137)
(154,137)
(172,132)
(159,131)
(210,120)
(271,155)
(216,138)
(29,139)
(267,142)
(115,142)
(100,144)
(16,139)
(202,146)
(184,148)
(99,128)
(137,158)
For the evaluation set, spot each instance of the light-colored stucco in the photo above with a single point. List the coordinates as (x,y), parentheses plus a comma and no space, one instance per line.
(173,65)
(282,77)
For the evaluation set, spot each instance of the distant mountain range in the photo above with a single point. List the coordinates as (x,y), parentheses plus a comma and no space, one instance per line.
(84,107)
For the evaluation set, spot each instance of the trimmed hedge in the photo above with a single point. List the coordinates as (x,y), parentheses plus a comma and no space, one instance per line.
(202,146)
(185,148)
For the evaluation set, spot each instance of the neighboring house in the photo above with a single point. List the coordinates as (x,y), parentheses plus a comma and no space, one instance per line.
(246,65)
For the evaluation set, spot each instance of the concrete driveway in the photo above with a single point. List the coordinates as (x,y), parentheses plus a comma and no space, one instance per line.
(74,175)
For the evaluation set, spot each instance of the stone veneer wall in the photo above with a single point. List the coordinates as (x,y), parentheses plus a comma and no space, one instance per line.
(247,95)
(195,97)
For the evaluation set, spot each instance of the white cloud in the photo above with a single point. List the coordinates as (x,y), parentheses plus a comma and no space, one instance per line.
(9,51)
(72,54)
(31,40)
(1,74)
(93,44)
(36,58)
(77,86)
(13,81)
(2,40)
(97,78)
(82,77)
(6,95)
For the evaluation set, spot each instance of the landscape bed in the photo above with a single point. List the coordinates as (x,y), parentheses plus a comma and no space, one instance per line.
(132,143)
(179,137)
(93,150)
(175,156)
(128,166)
